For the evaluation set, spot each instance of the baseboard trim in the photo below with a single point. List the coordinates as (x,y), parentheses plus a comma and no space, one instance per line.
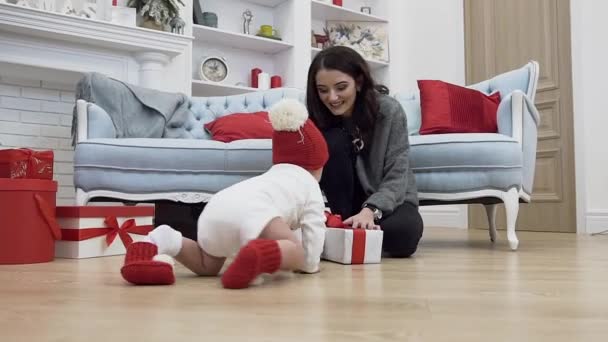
(596,221)
(447,216)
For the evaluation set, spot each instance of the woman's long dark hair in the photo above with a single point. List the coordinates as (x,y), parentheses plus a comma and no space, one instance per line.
(350,62)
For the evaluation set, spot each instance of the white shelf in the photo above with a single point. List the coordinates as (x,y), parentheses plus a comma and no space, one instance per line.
(56,26)
(204,88)
(267,3)
(325,11)
(238,40)
(373,64)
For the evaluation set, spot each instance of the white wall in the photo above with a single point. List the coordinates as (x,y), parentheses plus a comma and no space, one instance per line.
(589,74)
(430,45)
(433,38)
(36,112)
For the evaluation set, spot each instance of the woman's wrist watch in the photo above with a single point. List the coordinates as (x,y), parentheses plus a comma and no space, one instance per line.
(377,212)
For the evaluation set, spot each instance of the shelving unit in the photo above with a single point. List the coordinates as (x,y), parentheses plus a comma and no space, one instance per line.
(236,40)
(289,57)
(218,89)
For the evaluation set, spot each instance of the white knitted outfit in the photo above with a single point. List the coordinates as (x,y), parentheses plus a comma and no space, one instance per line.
(239,213)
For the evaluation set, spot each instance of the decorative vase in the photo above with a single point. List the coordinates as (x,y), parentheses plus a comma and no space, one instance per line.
(210,19)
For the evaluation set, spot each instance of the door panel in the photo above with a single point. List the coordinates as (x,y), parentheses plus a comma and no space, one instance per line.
(501,35)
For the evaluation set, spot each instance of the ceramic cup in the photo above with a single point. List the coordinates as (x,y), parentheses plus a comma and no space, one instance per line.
(267,30)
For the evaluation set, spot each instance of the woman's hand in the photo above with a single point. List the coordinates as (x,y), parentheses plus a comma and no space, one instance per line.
(364,219)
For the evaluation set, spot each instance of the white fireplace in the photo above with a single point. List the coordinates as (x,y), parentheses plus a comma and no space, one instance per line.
(44,54)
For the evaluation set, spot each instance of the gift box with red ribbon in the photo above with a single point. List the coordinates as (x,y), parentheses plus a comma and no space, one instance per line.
(346,245)
(25,163)
(94,231)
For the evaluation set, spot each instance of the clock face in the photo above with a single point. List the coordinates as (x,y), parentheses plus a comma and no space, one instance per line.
(214,69)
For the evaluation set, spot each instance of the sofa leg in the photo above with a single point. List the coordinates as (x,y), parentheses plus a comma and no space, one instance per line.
(511,200)
(81,197)
(491,212)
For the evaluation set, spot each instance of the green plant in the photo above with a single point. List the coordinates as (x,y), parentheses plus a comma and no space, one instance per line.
(161,11)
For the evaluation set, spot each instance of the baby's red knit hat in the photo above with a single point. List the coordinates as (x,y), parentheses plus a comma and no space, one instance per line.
(296,139)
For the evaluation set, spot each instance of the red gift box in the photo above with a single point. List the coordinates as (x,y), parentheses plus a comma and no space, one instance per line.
(93,231)
(26,163)
(28,229)
(346,245)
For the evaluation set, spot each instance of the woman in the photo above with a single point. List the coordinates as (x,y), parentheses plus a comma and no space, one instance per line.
(368,179)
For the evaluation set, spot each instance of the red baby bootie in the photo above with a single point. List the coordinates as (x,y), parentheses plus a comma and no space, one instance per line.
(141,268)
(257,257)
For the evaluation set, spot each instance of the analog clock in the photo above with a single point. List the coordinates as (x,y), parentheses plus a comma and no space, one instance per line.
(213,69)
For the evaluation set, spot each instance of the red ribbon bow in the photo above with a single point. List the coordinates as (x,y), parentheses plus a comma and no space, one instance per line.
(122,231)
(334,221)
(111,231)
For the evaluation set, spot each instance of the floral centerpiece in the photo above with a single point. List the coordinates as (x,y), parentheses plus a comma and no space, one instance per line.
(156,13)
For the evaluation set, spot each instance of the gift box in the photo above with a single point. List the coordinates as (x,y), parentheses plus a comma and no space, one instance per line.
(94,231)
(346,245)
(28,229)
(25,163)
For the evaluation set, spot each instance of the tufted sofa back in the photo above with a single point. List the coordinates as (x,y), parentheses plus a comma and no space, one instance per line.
(202,110)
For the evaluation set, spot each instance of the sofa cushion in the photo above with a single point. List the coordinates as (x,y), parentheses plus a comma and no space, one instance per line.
(448,108)
(167,165)
(411,106)
(239,126)
(451,163)
(190,124)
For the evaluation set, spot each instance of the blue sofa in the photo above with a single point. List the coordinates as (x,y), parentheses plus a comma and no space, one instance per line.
(183,164)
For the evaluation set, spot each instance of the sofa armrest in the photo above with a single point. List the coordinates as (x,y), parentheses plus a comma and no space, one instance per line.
(93,122)
(519,118)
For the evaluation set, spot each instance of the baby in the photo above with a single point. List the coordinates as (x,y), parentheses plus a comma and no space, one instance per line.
(254,218)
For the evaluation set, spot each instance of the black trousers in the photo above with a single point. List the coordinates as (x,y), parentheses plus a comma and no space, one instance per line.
(402,228)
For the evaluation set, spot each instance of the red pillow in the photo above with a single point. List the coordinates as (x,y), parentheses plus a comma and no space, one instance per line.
(448,108)
(239,126)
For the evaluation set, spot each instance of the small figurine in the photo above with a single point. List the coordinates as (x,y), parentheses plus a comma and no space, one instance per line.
(177,25)
(247,16)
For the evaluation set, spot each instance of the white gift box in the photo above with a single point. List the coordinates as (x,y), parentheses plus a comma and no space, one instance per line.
(353,246)
(87,230)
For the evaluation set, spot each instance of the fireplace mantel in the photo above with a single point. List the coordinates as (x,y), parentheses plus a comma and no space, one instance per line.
(57,41)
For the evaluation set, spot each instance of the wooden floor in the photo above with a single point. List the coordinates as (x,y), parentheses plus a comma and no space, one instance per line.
(458,288)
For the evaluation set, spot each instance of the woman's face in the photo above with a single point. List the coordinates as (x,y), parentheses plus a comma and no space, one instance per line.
(337,91)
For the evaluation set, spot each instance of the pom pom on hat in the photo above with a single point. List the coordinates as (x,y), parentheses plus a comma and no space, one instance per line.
(296,140)
(288,115)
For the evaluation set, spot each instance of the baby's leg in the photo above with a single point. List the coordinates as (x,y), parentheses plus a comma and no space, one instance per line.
(276,248)
(197,260)
(292,253)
